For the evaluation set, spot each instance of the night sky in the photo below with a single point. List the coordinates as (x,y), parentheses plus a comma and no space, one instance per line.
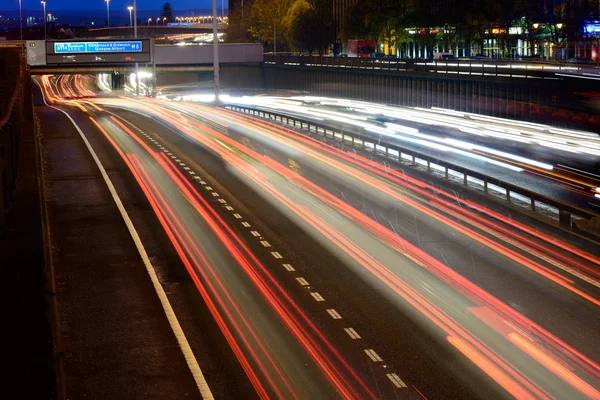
(114,4)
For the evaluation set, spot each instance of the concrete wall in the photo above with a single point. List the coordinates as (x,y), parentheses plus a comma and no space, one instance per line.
(11,117)
(189,55)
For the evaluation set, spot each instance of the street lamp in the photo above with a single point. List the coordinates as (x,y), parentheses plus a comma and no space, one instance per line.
(130,21)
(107,13)
(164,19)
(157,19)
(21,22)
(149,19)
(215,51)
(45,30)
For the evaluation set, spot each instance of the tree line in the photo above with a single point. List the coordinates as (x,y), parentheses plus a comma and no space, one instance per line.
(308,24)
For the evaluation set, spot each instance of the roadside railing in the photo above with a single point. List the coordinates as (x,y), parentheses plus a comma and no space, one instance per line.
(564,214)
(496,68)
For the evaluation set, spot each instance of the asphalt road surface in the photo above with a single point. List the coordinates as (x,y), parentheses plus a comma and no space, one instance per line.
(331,276)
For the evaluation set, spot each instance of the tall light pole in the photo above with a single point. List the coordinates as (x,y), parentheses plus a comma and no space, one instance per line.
(130,9)
(107,13)
(21,22)
(137,74)
(215,50)
(149,19)
(45,18)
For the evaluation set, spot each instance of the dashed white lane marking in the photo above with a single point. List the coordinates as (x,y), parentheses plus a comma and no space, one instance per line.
(302,281)
(373,355)
(288,267)
(396,380)
(317,296)
(352,333)
(393,377)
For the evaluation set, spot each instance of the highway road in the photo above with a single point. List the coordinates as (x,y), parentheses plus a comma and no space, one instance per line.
(332,276)
(557,163)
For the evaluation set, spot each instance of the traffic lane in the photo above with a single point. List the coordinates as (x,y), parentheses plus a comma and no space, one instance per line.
(218,362)
(543,142)
(284,364)
(568,193)
(289,147)
(382,379)
(555,308)
(433,368)
(416,283)
(515,357)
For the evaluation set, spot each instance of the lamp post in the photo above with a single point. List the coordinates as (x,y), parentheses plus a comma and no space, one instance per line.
(164,20)
(137,72)
(149,19)
(45,30)
(21,22)
(107,13)
(157,19)
(215,50)
(130,21)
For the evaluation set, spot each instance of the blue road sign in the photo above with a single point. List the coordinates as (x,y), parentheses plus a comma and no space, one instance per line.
(98,47)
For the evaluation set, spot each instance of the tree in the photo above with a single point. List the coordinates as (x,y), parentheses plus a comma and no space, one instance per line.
(267,21)
(313,27)
(167,11)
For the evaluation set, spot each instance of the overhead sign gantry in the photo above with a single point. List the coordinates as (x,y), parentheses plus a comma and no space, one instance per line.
(98,51)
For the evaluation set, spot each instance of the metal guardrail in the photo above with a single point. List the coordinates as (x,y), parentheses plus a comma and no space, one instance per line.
(12,43)
(397,154)
(495,68)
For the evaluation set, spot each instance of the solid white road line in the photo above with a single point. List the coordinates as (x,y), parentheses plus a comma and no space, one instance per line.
(192,363)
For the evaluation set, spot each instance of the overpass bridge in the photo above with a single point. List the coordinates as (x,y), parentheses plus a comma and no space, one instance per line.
(42,59)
